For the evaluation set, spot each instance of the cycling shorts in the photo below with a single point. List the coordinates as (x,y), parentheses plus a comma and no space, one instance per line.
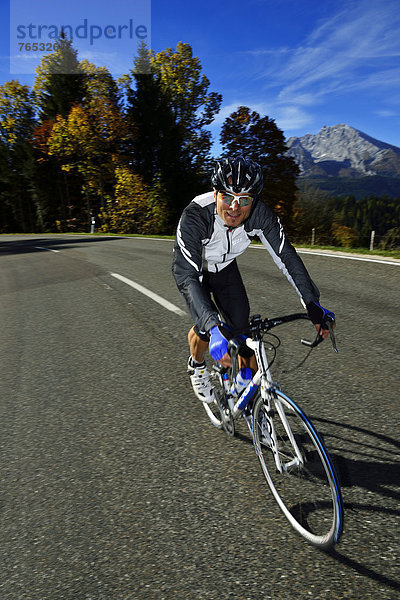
(229,295)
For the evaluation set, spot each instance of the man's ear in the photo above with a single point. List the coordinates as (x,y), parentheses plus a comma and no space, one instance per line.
(215,195)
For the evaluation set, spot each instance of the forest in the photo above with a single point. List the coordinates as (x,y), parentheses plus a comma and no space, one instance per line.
(130,154)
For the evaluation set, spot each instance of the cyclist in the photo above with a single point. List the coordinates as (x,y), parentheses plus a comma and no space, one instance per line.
(214,229)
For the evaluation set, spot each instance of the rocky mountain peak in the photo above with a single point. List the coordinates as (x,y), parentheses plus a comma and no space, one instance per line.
(341,150)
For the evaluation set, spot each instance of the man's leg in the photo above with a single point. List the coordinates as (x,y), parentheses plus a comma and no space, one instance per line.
(250,362)
(197,346)
(199,375)
(233,304)
(198,349)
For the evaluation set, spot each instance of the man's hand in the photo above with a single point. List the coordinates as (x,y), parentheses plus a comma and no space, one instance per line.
(319,316)
(324,332)
(218,348)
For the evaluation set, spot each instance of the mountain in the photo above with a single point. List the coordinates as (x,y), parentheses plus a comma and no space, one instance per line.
(342,152)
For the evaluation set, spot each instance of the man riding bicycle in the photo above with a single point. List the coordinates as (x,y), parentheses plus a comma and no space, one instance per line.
(214,229)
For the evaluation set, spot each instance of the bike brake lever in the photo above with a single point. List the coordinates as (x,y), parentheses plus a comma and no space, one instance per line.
(319,339)
(332,336)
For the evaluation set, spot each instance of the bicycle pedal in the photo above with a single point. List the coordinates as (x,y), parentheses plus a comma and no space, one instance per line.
(217,368)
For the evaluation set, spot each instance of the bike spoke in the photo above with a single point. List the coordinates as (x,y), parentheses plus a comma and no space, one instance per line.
(303,482)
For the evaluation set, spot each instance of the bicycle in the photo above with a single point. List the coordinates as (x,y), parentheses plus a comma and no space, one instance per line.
(292,454)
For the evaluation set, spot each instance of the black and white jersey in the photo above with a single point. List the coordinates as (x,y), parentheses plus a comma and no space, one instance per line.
(205,243)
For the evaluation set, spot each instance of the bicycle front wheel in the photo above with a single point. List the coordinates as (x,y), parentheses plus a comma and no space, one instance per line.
(299,470)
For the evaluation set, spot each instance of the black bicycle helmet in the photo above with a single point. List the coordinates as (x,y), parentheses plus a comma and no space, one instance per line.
(237,175)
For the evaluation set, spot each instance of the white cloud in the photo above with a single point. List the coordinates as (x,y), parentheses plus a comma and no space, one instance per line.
(386,113)
(352,48)
(291,118)
(260,107)
(286,116)
(24,63)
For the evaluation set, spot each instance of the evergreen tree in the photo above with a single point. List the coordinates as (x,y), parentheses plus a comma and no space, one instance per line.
(156,139)
(59,83)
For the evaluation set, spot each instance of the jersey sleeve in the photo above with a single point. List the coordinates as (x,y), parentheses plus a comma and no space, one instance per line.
(273,237)
(191,233)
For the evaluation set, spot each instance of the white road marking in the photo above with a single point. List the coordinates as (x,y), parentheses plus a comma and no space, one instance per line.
(48,249)
(349,257)
(150,294)
(394,262)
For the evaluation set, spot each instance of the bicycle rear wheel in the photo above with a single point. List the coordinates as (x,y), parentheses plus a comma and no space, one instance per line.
(307,490)
(213,413)
(218,411)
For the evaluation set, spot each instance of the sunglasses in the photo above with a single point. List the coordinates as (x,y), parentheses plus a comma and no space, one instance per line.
(229,199)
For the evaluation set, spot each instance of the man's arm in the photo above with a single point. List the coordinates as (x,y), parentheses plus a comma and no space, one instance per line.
(285,256)
(187,268)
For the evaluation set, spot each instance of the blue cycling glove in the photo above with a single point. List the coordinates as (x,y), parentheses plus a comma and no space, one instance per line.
(219,339)
(319,315)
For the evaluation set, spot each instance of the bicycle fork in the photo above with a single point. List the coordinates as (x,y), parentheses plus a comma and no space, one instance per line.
(269,397)
(298,459)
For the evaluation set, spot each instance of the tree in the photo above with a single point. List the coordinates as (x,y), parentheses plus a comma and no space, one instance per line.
(345,236)
(59,83)
(80,135)
(134,209)
(312,210)
(248,134)
(156,140)
(168,109)
(98,84)
(193,105)
(363,215)
(391,239)
(17,122)
(86,142)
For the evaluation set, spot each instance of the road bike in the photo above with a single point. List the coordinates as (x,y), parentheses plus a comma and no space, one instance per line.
(292,454)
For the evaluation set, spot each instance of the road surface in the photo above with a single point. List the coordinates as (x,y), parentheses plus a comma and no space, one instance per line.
(114,485)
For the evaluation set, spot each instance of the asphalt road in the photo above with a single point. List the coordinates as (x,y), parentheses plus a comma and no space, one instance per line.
(114,485)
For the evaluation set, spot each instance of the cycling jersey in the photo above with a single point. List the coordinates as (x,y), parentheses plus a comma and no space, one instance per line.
(205,243)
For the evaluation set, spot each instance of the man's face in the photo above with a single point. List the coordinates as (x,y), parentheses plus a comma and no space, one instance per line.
(229,208)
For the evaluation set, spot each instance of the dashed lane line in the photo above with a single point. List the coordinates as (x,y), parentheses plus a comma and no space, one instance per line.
(150,294)
(43,248)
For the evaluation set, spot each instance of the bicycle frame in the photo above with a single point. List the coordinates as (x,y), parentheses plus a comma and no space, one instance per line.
(263,380)
(292,454)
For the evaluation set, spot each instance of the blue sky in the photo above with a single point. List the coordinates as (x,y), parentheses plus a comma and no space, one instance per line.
(302,62)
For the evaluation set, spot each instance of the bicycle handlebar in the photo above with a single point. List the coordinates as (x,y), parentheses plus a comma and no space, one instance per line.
(259,326)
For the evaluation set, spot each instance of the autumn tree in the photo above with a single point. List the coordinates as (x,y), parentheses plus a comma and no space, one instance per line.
(168,107)
(87,142)
(134,208)
(17,194)
(248,134)
(344,236)
(59,85)
(99,84)
(194,107)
